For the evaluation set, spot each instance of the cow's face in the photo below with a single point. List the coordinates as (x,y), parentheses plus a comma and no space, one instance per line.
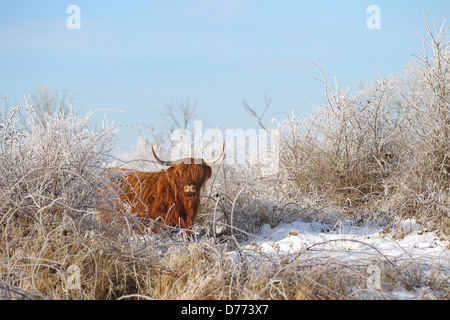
(189,177)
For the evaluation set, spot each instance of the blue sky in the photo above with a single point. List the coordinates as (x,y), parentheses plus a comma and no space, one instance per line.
(139,55)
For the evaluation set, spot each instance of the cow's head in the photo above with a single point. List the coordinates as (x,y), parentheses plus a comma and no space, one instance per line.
(188,175)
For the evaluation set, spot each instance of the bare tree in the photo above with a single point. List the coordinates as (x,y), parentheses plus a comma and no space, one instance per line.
(178,115)
(50,102)
(47,102)
(249,110)
(4,114)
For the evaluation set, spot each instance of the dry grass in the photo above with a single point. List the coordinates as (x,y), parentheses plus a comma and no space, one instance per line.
(383,153)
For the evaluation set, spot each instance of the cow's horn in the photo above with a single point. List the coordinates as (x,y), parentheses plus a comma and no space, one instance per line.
(164,163)
(216,158)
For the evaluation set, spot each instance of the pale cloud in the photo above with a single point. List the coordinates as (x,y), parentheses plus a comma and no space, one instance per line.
(279,64)
(231,9)
(36,33)
(215,9)
(53,34)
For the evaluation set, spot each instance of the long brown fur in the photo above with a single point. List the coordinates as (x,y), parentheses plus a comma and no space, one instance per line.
(160,196)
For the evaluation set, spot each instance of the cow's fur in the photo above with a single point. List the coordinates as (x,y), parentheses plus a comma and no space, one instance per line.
(170,197)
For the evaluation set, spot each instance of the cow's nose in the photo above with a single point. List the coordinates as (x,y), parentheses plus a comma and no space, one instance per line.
(189,188)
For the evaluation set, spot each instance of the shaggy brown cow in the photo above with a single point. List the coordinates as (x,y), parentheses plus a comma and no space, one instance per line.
(170,197)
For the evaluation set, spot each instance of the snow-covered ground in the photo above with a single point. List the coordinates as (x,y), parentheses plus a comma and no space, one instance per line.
(401,260)
(348,243)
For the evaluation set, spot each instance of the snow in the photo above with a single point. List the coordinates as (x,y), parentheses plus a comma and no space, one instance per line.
(347,243)
(352,244)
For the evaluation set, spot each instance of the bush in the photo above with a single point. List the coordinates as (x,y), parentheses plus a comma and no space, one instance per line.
(51,167)
(347,148)
(422,184)
(388,145)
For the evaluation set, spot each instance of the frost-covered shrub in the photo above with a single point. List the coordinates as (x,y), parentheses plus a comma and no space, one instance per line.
(345,148)
(52,169)
(426,108)
(421,186)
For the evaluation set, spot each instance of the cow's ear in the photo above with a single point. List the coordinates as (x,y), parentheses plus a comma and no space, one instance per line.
(170,172)
(207,172)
